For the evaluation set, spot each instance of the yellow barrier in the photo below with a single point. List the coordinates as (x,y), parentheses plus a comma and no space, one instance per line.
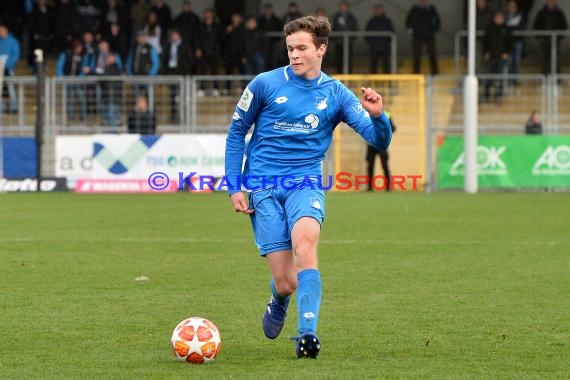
(404,98)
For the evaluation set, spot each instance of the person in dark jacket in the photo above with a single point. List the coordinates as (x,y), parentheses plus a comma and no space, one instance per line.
(110,92)
(41,29)
(497,46)
(533,125)
(344,21)
(208,49)
(550,17)
(268,22)
(423,23)
(164,18)
(141,119)
(371,154)
(379,47)
(143,59)
(70,63)
(234,48)
(65,24)
(188,24)
(177,60)
(255,43)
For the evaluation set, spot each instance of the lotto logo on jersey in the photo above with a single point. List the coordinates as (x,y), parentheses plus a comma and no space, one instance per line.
(245,100)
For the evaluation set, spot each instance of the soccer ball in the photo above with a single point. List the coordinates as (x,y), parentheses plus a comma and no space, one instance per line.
(196,340)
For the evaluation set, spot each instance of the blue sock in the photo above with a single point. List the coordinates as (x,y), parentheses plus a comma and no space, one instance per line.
(283,300)
(308,299)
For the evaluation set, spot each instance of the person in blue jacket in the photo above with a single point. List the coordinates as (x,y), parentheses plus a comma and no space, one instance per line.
(70,63)
(295,110)
(10,54)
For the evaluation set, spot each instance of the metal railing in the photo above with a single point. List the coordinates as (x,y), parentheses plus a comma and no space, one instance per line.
(348,39)
(552,34)
(508,116)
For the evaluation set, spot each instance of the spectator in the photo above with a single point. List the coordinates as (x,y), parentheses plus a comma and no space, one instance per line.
(188,24)
(423,23)
(226,8)
(484,15)
(293,12)
(533,125)
(208,49)
(371,158)
(89,13)
(90,56)
(515,22)
(268,22)
(153,32)
(320,12)
(234,47)
(141,120)
(143,60)
(115,13)
(65,22)
(139,14)
(10,54)
(379,47)
(344,21)
(110,91)
(497,45)
(115,27)
(90,51)
(70,63)
(525,6)
(41,30)
(254,47)
(164,18)
(177,60)
(550,17)
(118,40)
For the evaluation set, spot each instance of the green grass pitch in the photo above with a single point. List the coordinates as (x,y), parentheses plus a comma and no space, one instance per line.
(438,286)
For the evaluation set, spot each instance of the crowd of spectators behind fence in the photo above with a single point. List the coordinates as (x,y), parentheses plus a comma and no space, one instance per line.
(144,38)
(139,33)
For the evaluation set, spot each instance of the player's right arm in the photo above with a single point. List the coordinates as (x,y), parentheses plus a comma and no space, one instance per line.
(245,114)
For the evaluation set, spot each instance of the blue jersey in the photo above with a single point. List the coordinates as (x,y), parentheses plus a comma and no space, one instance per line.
(294,122)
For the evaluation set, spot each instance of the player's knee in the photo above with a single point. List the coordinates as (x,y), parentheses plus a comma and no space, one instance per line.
(285,285)
(306,253)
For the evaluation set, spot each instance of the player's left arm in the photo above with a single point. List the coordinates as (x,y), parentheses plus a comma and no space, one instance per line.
(366,116)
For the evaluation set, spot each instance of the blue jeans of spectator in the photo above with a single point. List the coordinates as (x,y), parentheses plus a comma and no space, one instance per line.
(516,57)
(13,98)
(76,97)
(111,114)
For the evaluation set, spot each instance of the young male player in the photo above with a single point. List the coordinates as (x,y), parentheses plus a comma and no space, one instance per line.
(295,110)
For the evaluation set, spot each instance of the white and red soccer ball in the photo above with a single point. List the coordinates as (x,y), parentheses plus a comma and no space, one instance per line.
(196,340)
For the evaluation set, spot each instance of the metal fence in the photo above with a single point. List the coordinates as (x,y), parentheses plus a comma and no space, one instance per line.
(203,104)
(506,115)
(551,36)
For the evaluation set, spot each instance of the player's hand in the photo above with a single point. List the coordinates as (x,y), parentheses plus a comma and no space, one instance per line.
(240,204)
(371,101)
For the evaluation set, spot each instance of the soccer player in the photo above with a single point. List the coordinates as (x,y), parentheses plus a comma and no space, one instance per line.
(295,110)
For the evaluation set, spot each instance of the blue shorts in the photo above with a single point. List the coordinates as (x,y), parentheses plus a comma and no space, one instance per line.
(276,211)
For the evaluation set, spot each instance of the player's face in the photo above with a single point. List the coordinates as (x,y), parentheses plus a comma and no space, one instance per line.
(304,57)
